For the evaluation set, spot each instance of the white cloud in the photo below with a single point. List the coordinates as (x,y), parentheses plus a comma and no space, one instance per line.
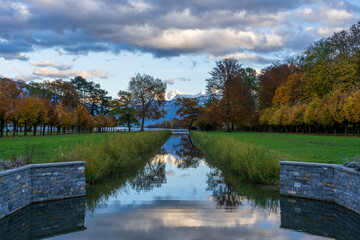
(55,73)
(51,64)
(308,14)
(215,41)
(27,77)
(21,10)
(244,57)
(336,16)
(328,31)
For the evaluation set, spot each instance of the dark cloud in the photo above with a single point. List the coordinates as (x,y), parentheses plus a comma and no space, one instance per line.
(161,27)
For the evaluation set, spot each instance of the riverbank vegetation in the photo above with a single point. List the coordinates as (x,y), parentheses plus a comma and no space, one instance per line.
(299,147)
(249,162)
(116,154)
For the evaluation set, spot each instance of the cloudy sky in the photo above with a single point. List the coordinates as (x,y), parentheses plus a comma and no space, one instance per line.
(108,41)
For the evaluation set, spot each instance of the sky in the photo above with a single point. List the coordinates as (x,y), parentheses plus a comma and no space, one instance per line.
(178,41)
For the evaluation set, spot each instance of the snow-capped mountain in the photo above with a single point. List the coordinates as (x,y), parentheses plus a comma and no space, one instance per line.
(172,94)
(171,107)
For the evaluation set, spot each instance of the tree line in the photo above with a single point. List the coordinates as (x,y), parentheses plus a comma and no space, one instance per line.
(317,90)
(77,105)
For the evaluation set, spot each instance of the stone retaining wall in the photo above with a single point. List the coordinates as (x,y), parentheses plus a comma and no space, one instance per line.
(329,182)
(40,182)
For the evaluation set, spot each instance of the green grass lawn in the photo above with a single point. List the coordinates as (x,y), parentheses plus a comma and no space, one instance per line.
(45,148)
(298,147)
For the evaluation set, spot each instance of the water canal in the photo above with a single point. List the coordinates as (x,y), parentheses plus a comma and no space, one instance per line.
(177,195)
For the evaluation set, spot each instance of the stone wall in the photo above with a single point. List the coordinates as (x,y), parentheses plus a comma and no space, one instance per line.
(40,182)
(329,182)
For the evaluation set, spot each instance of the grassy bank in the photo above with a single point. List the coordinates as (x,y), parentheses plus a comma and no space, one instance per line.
(116,154)
(249,162)
(299,147)
(43,149)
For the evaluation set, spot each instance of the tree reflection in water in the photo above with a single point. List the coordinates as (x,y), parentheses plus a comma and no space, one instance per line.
(224,194)
(153,175)
(230,194)
(188,155)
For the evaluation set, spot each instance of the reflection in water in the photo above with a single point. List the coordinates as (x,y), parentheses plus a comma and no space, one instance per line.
(319,218)
(224,194)
(229,193)
(189,154)
(44,220)
(177,195)
(153,175)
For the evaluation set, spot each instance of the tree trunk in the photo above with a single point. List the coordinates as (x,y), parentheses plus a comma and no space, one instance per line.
(14,129)
(346,128)
(2,123)
(228,127)
(142,124)
(129,127)
(358,129)
(35,130)
(25,129)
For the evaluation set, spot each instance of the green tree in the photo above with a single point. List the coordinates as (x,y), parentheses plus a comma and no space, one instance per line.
(148,96)
(123,109)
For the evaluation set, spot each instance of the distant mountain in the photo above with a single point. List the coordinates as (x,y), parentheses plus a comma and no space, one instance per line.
(172,94)
(171,107)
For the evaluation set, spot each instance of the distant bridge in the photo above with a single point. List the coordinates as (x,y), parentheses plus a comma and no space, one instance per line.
(179,131)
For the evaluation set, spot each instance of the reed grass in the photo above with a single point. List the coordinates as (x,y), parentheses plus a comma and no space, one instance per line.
(115,155)
(249,162)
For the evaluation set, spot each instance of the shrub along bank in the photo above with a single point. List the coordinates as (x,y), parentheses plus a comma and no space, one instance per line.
(249,162)
(116,154)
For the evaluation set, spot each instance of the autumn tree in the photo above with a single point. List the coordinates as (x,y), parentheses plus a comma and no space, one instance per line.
(124,110)
(233,86)
(148,95)
(64,92)
(269,80)
(11,92)
(352,109)
(52,116)
(66,117)
(189,110)
(81,118)
(32,112)
(210,119)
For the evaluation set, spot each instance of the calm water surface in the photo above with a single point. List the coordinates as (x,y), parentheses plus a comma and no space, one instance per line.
(177,195)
